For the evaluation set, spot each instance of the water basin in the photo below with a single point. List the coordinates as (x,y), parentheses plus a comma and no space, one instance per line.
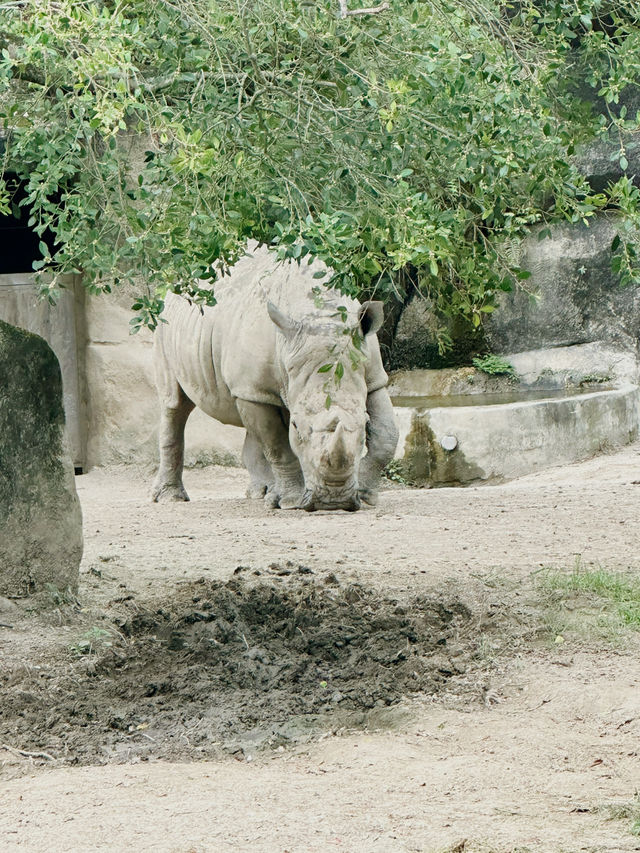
(490,399)
(460,439)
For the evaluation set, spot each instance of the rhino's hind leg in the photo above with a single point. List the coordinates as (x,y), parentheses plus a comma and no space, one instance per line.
(382,439)
(260,472)
(173,418)
(266,429)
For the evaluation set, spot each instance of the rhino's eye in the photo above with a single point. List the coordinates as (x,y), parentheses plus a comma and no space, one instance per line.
(294,424)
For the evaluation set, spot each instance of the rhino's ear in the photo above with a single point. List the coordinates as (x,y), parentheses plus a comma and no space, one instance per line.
(287,326)
(371,315)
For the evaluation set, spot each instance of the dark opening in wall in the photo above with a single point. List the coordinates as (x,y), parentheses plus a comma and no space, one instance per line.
(19,243)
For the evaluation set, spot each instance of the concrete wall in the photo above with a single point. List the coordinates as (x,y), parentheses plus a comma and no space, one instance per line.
(460,426)
(122,407)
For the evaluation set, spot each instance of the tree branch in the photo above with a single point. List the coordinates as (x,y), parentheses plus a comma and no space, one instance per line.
(372,10)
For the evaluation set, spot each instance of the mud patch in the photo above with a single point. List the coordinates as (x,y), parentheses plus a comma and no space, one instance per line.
(224,667)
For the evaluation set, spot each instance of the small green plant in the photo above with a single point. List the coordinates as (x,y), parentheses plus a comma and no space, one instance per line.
(595,379)
(629,811)
(60,597)
(611,591)
(396,472)
(92,641)
(495,365)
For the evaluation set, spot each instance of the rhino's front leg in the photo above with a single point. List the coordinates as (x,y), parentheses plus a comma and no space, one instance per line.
(265,427)
(173,418)
(260,472)
(382,440)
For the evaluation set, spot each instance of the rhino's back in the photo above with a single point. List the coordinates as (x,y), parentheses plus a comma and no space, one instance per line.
(294,288)
(230,351)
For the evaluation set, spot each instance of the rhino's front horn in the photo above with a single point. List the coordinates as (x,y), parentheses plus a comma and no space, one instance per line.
(336,456)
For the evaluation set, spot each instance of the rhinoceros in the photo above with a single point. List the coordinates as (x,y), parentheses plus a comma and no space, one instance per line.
(253,360)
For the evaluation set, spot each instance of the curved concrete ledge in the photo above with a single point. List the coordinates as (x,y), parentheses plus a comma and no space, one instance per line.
(500,442)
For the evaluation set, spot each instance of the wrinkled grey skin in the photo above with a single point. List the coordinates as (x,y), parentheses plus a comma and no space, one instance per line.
(252,361)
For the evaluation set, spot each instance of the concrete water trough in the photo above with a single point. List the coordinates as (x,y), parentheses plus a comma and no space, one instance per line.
(461,426)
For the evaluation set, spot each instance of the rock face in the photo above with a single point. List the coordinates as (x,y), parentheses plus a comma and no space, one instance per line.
(40,517)
(595,161)
(580,299)
(415,343)
(599,160)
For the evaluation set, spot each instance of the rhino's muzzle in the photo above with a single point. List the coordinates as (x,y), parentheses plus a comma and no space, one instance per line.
(311,501)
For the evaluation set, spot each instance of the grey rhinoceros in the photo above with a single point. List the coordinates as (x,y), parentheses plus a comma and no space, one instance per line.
(252,360)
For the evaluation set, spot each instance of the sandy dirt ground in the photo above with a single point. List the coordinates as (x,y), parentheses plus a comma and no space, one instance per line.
(528,750)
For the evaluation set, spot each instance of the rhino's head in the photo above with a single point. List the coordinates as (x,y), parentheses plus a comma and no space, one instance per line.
(329,442)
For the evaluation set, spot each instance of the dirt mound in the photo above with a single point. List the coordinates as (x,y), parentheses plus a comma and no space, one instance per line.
(224,665)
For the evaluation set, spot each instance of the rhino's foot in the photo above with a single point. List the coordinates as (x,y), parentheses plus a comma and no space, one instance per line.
(274,500)
(369,497)
(169,492)
(256,491)
(310,504)
(289,501)
(271,498)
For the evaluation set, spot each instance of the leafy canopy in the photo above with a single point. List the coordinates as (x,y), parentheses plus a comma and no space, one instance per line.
(405,148)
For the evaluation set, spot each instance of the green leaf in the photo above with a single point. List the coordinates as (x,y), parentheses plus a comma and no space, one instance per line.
(325,368)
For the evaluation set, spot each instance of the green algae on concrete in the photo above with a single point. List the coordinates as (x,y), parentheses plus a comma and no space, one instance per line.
(40,517)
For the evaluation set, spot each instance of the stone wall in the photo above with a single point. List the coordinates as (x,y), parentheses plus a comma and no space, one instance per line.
(40,518)
(580,300)
(122,406)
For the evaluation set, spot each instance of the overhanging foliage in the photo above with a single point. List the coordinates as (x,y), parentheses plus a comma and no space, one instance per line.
(408,147)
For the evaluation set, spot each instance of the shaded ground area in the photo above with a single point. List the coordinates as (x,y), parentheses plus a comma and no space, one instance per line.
(421,677)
